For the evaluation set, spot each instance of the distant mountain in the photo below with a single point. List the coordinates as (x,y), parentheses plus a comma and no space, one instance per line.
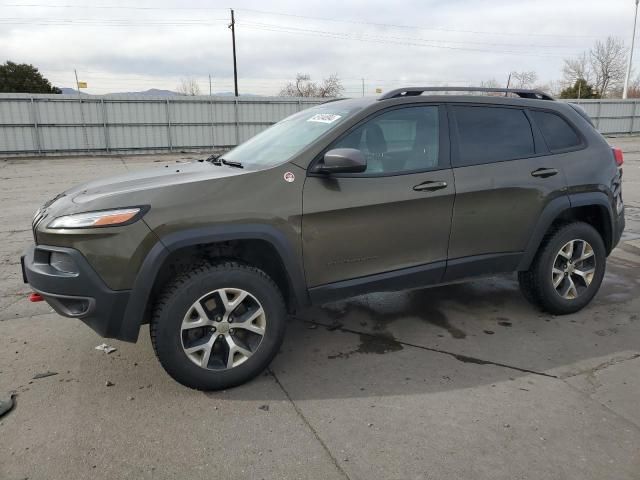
(156,92)
(70,91)
(151,92)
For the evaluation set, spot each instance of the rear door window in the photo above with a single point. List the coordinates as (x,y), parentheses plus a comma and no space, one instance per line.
(491,134)
(557,133)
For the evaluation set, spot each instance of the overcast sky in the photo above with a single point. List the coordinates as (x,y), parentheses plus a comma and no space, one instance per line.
(133,46)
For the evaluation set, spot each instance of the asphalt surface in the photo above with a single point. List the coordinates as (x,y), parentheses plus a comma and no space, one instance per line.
(462,381)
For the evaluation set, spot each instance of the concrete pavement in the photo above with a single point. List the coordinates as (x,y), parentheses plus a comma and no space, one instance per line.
(462,381)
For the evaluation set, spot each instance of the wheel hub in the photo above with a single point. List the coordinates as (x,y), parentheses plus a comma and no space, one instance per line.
(222,328)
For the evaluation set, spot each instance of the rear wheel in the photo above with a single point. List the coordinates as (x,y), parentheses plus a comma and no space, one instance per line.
(567,270)
(218,326)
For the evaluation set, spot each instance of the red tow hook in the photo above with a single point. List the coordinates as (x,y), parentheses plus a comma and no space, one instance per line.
(35,297)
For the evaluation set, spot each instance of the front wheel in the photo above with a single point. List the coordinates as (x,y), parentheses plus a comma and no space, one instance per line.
(567,271)
(218,326)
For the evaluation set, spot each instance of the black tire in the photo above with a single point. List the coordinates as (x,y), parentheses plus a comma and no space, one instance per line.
(178,297)
(536,283)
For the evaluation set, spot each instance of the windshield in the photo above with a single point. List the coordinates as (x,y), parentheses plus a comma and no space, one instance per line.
(281,141)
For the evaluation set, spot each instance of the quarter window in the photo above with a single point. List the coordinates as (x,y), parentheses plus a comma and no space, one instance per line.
(400,140)
(556,132)
(492,134)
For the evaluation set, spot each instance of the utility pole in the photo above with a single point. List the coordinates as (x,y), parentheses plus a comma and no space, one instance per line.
(209,85)
(84,125)
(363,87)
(633,40)
(232,26)
(508,83)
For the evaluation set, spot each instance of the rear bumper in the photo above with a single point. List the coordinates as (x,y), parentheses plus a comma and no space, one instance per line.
(618,229)
(78,292)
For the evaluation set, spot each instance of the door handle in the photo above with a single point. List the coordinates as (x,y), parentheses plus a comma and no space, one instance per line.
(544,172)
(430,186)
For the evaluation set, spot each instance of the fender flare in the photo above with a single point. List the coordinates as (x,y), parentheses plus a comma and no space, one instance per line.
(554,209)
(143,284)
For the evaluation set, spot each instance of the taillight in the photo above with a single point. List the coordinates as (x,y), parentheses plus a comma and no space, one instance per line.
(617,155)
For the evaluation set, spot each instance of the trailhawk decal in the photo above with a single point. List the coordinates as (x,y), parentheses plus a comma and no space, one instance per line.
(289,177)
(325,118)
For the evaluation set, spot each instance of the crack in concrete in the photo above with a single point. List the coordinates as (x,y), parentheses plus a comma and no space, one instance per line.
(604,405)
(590,372)
(457,356)
(308,424)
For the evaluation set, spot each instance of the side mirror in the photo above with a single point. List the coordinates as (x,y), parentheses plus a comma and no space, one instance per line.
(343,160)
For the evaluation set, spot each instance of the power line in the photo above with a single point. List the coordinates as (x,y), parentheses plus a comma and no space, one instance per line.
(292,15)
(414,27)
(106,22)
(394,37)
(375,39)
(109,7)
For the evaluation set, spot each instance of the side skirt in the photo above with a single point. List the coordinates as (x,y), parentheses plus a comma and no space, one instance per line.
(394,281)
(431,274)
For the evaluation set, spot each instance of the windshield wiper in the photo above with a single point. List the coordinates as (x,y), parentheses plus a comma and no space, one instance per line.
(218,160)
(230,163)
(215,159)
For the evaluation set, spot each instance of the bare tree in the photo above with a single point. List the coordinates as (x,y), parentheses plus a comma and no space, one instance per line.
(304,87)
(188,86)
(523,79)
(491,83)
(575,69)
(634,89)
(551,87)
(608,62)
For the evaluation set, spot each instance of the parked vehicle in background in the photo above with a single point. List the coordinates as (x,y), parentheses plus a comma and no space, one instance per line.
(353,196)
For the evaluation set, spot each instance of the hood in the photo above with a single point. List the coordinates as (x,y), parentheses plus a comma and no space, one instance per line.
(150,178)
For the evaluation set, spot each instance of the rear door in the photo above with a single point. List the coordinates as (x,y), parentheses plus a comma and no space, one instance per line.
(396,214)
(505,176)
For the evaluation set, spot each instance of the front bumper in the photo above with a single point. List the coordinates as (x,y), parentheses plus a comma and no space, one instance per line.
(78,292)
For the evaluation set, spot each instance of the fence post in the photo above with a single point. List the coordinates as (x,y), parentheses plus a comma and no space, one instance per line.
(299,104)
(213,137)
(105,127)
(634,115)
(598,115)
(84,123)
(169,127)
(34,117)
(237,121)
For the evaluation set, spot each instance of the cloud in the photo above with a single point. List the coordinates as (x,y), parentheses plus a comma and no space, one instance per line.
(386,43)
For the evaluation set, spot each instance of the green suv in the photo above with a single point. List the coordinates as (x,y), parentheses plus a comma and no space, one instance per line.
(349,197)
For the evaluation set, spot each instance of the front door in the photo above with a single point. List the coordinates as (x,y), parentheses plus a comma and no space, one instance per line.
(393,216)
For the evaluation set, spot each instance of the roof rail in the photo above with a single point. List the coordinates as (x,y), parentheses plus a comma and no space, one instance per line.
(414,91)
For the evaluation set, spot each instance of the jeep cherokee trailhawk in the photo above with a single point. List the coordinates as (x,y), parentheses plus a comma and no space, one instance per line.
(353,196)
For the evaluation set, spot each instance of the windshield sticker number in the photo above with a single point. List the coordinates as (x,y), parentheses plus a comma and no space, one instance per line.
(324,118)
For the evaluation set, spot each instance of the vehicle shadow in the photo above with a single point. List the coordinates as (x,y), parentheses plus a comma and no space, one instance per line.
(451,337)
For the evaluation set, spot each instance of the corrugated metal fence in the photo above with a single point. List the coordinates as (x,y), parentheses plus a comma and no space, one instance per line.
(68,124)
(613,116)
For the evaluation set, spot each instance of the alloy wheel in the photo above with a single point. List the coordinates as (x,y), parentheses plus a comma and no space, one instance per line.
(573,269)
(223,329)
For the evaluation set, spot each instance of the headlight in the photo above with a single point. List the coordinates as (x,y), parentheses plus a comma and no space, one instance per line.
(103,218)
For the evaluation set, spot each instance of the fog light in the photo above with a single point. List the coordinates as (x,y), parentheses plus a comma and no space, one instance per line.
(62,262)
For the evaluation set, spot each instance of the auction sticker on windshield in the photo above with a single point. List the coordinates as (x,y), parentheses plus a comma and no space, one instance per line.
(324,117)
